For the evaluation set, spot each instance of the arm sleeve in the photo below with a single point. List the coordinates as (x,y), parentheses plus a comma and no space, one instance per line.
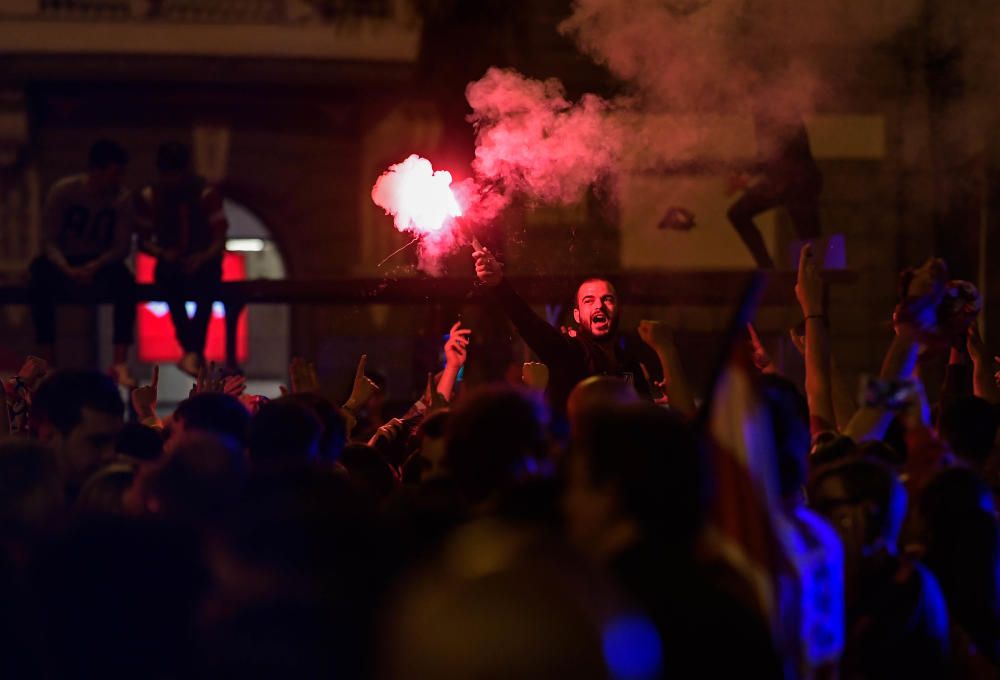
(547,342)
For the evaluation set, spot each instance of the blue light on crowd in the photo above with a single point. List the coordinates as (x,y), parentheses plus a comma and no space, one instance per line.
(632,648)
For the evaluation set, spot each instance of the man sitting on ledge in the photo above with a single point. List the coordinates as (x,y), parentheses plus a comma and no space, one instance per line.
(88,222)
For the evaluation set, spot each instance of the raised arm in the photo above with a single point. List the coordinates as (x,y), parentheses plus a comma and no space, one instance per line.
(915,314)
(361,391)
(455,351)
(675,384)
(844,403)
(121,244)
(546,341)
(809,291)
(983,377)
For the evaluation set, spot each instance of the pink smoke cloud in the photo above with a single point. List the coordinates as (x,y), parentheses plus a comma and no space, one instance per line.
(530,139)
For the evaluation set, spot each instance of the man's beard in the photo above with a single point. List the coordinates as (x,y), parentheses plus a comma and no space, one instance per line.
(607,327)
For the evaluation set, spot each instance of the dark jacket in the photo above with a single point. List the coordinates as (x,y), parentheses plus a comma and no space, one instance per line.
(571,360)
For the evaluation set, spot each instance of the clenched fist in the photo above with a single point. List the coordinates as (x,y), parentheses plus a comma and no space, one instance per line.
(489,271)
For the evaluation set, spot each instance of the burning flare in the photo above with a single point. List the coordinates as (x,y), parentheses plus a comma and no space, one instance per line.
(419,198)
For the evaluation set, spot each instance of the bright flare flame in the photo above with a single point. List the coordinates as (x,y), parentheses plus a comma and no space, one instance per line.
(419,198)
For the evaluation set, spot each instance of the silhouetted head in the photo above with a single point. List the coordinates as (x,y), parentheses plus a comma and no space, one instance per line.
(106,165)
(79,415)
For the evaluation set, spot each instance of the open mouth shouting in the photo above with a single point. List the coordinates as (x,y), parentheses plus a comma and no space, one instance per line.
(600,323)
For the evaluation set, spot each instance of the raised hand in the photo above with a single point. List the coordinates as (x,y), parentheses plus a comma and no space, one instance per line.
(798,340)
(809,286)
(208,380)
(918,310)
(985,378)
(32,371)
(81,275)
(457,344)
(761,359)
(489,271)
(234,385)
(144,398)
(975,345)
(387,433)
(363,388)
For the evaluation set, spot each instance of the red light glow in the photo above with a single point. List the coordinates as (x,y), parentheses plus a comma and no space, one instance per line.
(157,342)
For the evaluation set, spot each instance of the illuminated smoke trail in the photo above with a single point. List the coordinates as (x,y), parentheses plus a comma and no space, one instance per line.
(675,56)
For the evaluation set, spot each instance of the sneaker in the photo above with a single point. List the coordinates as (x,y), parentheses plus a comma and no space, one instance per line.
(121,375)
(190,363)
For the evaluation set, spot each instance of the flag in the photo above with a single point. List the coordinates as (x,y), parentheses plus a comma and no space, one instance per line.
(744,504)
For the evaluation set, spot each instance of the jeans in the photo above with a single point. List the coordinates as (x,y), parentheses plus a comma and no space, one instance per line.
(201,287)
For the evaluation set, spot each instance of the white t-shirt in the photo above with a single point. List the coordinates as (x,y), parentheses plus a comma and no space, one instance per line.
(82,224)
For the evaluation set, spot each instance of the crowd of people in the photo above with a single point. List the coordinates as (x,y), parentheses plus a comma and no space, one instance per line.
(599,520)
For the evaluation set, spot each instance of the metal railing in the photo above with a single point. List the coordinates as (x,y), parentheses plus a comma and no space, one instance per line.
(203,11)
